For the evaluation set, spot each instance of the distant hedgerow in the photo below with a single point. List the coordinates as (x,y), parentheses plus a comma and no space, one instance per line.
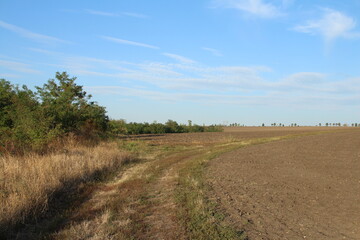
(133,128)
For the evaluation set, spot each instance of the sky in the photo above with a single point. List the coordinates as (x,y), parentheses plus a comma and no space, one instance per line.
(209,61)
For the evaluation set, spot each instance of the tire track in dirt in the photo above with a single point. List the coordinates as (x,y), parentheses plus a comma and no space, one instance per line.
(162,217)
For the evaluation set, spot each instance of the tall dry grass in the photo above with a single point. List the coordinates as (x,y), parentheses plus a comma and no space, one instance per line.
(28,182)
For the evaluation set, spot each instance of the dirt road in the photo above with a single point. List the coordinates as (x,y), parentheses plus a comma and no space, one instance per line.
(302,188)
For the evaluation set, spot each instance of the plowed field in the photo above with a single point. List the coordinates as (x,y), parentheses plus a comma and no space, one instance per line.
(229,134)
(300,188)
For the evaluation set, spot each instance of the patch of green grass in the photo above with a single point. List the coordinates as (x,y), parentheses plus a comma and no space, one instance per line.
(196,211)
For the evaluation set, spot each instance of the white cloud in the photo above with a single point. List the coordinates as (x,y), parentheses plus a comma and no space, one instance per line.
(213,51)
(8,75)
(269,99)
(101,13)
(307,78)
(246,85)
(18,66)
(112,14)
(179,58)
(47,52)
(31,35)
(332,25)
(253,7)
(127,42)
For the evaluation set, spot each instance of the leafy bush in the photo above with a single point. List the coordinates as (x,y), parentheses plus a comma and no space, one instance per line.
(32,120)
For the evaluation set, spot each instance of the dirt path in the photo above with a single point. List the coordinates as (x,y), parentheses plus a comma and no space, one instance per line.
(138,204)
(302,188)
(162,219)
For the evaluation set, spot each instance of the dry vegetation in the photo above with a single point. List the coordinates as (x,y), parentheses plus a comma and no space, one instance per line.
(28,183)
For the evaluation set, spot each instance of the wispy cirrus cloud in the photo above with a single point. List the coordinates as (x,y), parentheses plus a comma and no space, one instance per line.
(181,81)
(113,14)
(268,99)
(18,67)
(331,26)
(127,42)
(179,58)
(213,51)
(9,75)
(259,8)
(306,78)
(31,35)
(44,51)
(101,13)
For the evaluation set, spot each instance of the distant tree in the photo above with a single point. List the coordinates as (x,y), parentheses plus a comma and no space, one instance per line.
(117,127)
(157,128)
(172,127)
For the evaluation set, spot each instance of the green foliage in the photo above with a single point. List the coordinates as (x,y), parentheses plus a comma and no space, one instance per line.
(214,128)
(69,106)
(117,127)
(32,120)
(133,128)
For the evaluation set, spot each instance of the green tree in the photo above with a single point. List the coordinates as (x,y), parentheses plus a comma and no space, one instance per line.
(172,127)
(68,105)
(23,124)
(7,95)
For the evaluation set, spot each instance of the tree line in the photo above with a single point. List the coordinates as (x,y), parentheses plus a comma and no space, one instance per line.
(121,127)
(37,120)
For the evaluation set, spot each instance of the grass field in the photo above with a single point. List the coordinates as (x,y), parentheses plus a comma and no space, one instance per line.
(159,186)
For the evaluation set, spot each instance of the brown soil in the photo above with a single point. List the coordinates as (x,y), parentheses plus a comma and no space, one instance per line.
(229,134)
(302,188)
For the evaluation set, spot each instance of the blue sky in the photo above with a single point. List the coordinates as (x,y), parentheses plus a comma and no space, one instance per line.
(211,61)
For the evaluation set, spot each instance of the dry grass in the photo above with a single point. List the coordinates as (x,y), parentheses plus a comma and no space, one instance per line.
(27,183)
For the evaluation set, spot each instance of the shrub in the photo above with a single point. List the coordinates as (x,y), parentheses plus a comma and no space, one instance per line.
(32,120)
